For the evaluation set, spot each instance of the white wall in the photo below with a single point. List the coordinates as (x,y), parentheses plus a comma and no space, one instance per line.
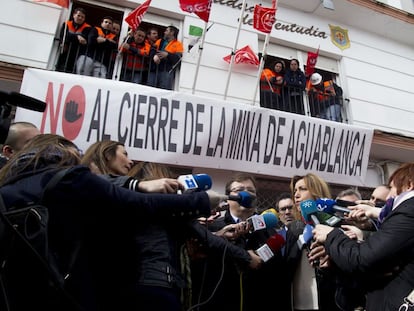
(27,31)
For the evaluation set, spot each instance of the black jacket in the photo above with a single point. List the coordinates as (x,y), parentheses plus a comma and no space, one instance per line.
(85,211)
(384,262)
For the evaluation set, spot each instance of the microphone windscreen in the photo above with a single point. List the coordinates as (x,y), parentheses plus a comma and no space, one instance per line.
(275,242)
(204,181)
(246,199)
(270,220)
(27,102)
(270,210)
(307,208)
(307,233)
(325,205)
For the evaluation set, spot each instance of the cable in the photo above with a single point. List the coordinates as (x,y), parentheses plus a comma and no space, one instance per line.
(217,285)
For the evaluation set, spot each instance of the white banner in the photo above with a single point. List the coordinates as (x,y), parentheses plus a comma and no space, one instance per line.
(183,129)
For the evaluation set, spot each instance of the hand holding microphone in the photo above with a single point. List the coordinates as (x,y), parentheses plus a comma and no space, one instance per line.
(244,198)
(197,182)
(273,245)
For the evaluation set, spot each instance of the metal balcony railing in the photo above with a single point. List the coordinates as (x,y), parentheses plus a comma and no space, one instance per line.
(136,69)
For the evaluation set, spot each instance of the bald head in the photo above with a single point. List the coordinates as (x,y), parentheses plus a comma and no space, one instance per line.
(19,134)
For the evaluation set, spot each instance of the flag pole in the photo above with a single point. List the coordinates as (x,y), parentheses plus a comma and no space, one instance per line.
(200,48)
(234,48)
(263,59)
(67,17)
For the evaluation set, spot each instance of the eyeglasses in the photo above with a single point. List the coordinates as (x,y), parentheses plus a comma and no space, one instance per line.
(283,209)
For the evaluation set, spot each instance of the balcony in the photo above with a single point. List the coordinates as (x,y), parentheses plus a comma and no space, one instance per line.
(135,68)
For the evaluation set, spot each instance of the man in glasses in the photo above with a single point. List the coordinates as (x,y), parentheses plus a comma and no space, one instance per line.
(284,207)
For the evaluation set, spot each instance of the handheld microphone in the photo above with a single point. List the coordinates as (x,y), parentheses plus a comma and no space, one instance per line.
(270,210)
(331,206)
(198,182)
(244,198)
(309,210)
(272,246)
(260,222)
(332,213)
(306,237)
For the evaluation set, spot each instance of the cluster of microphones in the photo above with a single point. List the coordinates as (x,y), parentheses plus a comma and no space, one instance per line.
(321,211)
(255,223)
(203,182)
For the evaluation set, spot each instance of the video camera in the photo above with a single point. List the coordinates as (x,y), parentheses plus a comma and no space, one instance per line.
(7,100)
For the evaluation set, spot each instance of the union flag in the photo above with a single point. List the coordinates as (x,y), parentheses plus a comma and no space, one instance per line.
(263,18)
(199,7)
(244,55)
(62,3)
(135,17)
(311,63)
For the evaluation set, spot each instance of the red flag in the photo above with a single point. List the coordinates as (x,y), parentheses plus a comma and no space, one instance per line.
(199,7)
(263,18)
(135,17)
(62,3)
(244,55)
(311,63)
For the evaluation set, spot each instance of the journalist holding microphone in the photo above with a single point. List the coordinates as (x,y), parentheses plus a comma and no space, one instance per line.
(152,257)
(384,262)
(84,210)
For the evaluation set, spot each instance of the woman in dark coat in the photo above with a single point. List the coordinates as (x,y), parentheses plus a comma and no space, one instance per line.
(385,260)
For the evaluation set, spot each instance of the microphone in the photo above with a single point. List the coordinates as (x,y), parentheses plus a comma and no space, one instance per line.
(198,182)
(244,198)
(269,210)
(272,246)
(260,222)
(24,101)
(309,210)
(331,206)
(305,240)
(306,237)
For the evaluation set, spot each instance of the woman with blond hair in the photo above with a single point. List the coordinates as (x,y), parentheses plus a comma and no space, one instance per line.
(313,286)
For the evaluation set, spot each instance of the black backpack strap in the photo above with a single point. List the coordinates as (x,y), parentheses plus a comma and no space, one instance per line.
(55,282)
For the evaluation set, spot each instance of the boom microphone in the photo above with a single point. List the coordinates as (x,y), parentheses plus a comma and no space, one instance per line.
(273,245)
(244,198)
(198,182)
(24,101)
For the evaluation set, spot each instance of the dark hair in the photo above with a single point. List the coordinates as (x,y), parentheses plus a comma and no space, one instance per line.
(82,10)
(108,17)
(44,151)
(175,30)
(296,60)
(282,196)
(239,177)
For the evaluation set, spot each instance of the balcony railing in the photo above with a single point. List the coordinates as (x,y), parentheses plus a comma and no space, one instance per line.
(137,69)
